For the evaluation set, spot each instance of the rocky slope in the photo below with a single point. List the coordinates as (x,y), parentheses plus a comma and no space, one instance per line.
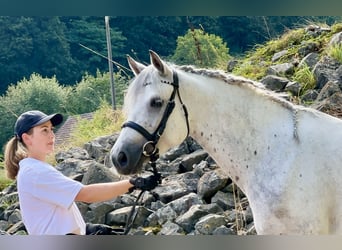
(194,197)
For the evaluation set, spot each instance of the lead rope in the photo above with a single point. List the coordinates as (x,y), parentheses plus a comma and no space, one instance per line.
(130,219)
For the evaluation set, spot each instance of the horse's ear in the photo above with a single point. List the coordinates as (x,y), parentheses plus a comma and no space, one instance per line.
(135,66)
(158,63)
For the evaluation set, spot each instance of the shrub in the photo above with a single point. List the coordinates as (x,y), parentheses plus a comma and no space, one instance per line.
(40,93)
(105,121)
(88,95)
(201,49)
(4,181)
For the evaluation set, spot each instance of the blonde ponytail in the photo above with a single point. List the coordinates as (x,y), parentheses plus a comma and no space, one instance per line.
(14,153)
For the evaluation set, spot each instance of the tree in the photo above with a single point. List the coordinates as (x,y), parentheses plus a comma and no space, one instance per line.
(91,92)
(40,93)
(33,45)
(201,49)
(158,33)
(90,32)
(51,55)
(15,43)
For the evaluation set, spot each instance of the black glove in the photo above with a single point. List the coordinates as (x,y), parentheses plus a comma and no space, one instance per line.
(145,183)
(102,229)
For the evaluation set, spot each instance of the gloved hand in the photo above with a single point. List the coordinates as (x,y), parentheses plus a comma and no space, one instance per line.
(145,183)
(102,229)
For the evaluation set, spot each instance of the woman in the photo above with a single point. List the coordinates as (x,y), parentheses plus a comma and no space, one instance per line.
(47,197)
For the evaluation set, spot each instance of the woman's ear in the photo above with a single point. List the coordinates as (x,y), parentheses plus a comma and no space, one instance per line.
(26,138)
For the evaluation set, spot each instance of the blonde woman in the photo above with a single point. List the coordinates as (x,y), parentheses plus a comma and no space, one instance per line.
(47,197)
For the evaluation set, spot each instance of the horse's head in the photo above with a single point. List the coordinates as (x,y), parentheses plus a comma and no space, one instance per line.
(152,121)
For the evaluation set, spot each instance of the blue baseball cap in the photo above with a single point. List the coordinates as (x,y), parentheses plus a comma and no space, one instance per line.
(33,118)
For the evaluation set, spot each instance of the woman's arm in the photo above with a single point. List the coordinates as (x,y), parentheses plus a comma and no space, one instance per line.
(103,191)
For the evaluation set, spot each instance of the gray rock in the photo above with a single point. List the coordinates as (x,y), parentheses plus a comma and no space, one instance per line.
(188,161)
(4,225)
(73,166)
(97,212)
(14,217)
(188,219)
(326,70)
(224,200)
(293,87)
(210,183)
(278,55)
(183,204)
(162,215)
(309,96)
(170,228)
(75,153)
(335,39)
(275,83)
(119,216)
(308,47)
(281,69)
(207,224)
(100,147)
(223,230)
(310,60)
(98,173)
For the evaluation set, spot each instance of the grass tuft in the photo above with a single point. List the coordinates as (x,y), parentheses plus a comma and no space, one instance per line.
(335,51)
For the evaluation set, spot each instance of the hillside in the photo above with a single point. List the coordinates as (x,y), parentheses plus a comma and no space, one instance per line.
(305,63)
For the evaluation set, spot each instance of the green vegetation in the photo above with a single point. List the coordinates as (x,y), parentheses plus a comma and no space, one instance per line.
(56,45)
(49,96)
(105,121)
(304,75)
(4,181)
(87,95)
(37,92)
(256,62)
(335,51)
(201,49)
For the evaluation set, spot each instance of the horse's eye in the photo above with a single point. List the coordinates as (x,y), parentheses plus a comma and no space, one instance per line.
(156,103)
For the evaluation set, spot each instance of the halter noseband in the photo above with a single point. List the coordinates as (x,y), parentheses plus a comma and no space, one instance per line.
(149,148)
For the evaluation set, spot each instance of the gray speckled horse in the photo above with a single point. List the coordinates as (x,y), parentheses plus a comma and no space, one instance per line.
(287,159)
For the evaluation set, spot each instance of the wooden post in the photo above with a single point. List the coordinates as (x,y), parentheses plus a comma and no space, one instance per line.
(110,63)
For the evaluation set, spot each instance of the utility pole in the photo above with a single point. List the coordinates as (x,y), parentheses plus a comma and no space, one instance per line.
(110,63)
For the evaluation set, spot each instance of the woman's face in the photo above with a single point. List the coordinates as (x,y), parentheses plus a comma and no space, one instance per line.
(40,140)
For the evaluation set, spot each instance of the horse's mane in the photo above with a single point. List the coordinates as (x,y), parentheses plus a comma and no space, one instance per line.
(220,74)
(256,86)
(238,80)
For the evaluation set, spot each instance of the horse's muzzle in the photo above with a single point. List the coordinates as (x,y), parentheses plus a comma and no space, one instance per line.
(127,160)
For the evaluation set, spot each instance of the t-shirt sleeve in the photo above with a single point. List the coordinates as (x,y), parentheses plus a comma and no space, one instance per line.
(54,187)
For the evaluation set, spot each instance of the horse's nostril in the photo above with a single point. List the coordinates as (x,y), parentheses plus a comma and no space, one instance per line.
(122,159)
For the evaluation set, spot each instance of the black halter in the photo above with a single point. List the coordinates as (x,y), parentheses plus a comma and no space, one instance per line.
(150,149)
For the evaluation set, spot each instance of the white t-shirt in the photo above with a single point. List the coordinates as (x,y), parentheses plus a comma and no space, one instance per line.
(46,200)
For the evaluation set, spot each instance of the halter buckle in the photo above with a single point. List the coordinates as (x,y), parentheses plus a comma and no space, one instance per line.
(149,149)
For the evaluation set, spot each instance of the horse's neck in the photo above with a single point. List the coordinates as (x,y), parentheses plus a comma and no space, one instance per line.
(236,125)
